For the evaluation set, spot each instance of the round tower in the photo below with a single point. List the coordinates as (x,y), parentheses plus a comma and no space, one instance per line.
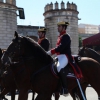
(8,22)
(56,14)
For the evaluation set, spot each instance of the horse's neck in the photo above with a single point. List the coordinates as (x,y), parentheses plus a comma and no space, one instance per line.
(40,57)
(97,57)
(39,65)
(38,53)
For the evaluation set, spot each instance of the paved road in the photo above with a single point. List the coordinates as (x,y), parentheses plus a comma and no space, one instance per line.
(91,95)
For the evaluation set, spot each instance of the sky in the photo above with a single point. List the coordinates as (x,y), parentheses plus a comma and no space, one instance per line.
(89,11)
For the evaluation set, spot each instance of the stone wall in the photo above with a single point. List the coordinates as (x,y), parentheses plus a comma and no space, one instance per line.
(8,24)
(53,14)
(30,31)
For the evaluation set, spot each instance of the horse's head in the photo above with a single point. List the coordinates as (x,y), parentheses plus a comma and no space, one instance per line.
(88,52)
(82,52)
(24,48)
(14,50)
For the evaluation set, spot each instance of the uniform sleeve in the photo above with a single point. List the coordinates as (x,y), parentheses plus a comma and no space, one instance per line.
(64,42)
(45,44)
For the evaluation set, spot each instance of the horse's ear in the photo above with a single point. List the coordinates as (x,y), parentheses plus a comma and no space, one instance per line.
(16,35)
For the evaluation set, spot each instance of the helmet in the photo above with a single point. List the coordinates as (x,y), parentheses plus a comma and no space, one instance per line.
(63,23)
(42,30)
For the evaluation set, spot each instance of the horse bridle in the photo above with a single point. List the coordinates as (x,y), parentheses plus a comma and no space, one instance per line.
(11,56)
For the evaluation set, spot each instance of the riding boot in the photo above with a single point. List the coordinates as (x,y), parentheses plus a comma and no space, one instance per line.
(64,90)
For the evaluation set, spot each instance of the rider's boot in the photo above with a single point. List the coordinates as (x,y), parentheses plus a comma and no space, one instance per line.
(64,90)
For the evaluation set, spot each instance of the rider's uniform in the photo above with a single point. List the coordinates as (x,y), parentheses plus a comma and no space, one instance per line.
(44,43)
(62,50)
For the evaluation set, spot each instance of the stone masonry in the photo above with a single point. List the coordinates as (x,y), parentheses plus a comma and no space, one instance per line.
(56,14)
(8,22)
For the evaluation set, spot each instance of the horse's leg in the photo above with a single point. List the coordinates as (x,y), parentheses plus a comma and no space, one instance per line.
(97,89)
(57,95)
(72,93)
(3,97)
(33,95)
(43,96)
(76,94)
(4,92)
(13,94)
(23,94)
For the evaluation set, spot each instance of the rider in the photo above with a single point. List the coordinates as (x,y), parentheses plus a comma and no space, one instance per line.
(63,51)
(43,41)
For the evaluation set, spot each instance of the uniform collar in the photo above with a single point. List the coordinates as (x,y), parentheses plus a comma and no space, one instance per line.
(62,33)
(40,39)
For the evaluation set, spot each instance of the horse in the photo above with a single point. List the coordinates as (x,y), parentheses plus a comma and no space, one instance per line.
(1,87)
(88,52)
(37,74)
(6,81)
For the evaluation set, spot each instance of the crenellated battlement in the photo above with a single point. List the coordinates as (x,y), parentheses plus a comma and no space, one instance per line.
(53,13)
(11,2)
(61,6)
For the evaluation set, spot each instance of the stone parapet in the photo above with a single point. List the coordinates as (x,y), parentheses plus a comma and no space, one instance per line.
(53,15)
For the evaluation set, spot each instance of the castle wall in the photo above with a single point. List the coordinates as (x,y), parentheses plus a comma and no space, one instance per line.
(8,23)
(30,31)
(56,14)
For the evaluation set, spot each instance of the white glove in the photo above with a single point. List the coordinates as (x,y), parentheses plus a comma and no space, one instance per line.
(49,52)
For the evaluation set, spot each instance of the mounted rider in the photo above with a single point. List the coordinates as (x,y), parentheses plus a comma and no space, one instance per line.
(43,41)
(62,50)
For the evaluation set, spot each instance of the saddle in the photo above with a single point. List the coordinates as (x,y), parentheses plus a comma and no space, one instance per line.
(71,70)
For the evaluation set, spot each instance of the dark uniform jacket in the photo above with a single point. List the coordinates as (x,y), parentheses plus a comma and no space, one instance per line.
(63,45)
(44,43)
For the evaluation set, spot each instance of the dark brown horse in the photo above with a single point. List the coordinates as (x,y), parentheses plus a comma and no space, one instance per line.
(88,52)
(37,74)
(7,81)
(1,87)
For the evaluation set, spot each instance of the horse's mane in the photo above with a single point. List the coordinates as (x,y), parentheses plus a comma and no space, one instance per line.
(94,52)
(1,53)
(36,49)
(32,42)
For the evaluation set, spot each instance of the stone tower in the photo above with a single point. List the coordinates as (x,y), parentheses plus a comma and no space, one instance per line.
(53,14)
(8,22)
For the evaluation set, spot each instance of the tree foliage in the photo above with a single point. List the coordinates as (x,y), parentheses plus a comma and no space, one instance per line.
(80,41)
